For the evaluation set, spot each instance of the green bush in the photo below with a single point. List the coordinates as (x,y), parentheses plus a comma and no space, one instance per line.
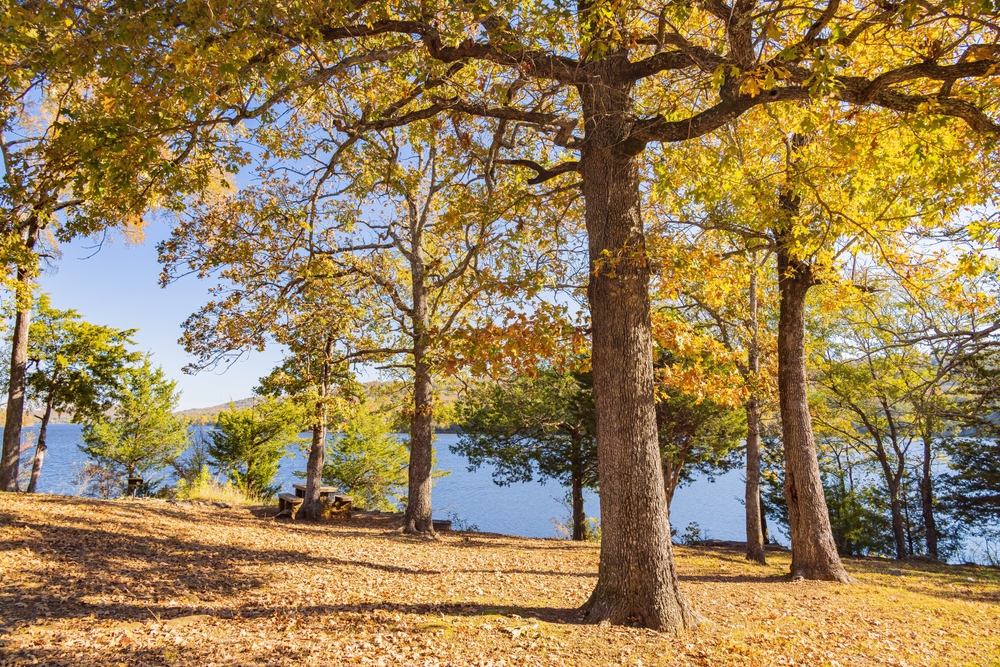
(369,462)
(248,444)
(140,434)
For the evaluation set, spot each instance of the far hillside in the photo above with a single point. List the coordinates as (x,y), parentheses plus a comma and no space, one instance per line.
(386,395)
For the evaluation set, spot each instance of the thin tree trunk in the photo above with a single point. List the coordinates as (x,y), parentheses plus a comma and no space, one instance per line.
(892,482)
(579,517)
(11,461)
(763,525)
(670,483)
(754,513)
(927,502)
(755,531)
(312,508)
(909,525)
(417,518)
(41,447)
(898,529)
(637,581)
(814,552)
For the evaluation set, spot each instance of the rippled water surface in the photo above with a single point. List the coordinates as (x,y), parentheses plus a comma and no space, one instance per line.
(519,509)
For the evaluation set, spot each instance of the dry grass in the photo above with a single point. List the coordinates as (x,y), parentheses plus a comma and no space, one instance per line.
(213,491)
(149,583)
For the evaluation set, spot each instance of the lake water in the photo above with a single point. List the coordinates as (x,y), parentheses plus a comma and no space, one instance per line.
(526,509)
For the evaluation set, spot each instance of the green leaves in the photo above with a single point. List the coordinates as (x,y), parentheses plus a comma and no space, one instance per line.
(140,434)
(74,365)
(531,425)
(368,461)
(248,444)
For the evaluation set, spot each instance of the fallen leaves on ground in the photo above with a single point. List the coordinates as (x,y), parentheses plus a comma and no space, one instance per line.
(89,582)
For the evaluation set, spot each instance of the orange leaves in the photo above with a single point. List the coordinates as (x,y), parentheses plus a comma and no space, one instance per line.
(700,365)
(91,583)
(517,341)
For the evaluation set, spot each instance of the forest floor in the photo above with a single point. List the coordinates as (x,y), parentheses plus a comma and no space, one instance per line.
(86,582)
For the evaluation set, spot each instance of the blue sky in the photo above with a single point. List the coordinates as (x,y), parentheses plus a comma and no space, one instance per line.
(118,286)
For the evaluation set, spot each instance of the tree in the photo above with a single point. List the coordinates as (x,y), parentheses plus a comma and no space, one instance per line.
(893,383)
(140,434)
(829,213)
(711,282)
(248,444)
(369,462)
(860,517)
(756,532)
(695,436)
(300,301)
(868,406)
(324,389)
(72,167)
(534,425)
(629,74)
(972,485)
(72,365)
(402,227)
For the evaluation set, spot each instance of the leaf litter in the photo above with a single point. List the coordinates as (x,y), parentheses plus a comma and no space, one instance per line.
(87,582)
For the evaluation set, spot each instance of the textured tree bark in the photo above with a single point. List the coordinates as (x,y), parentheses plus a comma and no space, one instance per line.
(311,506)
(10,462)
(927,502)
(814,552)
(40,447)
(637,581)
(579,516)
(417,518)
(755,531)
(755,528)
(892,482)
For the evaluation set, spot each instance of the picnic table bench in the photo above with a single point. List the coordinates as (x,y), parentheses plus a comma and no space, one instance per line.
(293,503)
(324,491)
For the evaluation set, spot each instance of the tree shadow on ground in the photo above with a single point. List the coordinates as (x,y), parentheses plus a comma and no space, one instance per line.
(159,576)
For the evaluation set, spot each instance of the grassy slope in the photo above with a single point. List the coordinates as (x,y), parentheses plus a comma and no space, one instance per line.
(149,583)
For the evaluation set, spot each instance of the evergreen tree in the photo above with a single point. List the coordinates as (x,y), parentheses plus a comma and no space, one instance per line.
(696,436)
(368,462)
(72,365)
(249,443)
(534,426)
(140,434)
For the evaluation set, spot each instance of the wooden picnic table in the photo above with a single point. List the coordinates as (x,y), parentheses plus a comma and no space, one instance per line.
(324,491)
(341,504)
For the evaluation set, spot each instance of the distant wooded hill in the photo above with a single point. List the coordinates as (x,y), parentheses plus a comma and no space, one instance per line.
(384,394)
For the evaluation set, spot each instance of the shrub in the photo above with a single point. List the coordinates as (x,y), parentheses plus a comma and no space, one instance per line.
(248,444)
(368,462)
(205,487)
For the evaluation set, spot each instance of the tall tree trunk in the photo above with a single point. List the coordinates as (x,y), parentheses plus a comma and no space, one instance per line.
(755,531)
(417,518)
(892,483)
(637,581)
(898,528)
(41,447)
(579,517)
(814,552)
(927,502)
(312,508)
(754,512)
(11,460)
(909,525)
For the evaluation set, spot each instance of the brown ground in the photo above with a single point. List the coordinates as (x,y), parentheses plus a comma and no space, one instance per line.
(149,583)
